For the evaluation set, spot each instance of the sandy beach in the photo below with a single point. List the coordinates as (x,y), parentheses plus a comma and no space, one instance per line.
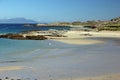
(59,39)
(87,59)
(79,37)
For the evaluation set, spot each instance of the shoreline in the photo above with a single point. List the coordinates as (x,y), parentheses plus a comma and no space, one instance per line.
(69,37)
(74,37)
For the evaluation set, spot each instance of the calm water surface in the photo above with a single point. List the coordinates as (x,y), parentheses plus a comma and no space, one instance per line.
(59,60)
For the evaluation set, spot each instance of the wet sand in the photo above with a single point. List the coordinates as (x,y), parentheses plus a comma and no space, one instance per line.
(11,68)
(79,41)
(104,77)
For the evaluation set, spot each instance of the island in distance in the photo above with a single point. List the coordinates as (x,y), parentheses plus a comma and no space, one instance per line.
(17,21)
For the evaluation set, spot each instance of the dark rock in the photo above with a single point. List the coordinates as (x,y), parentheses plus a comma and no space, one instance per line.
(6,77)
(21,37)
(12,36)
(39,37)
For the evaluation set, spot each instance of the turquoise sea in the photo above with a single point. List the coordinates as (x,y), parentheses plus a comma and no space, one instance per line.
(58,60)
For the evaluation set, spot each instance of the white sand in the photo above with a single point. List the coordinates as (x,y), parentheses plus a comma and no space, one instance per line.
(78,37)
(81,34)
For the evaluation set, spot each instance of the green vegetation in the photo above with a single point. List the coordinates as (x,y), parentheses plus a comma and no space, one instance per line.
(112,25)
(109,28)
(77,23)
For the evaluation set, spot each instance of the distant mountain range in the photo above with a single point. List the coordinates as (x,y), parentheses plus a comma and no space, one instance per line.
(17,20)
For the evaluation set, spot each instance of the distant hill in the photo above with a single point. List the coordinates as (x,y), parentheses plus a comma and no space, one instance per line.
(111,25)
(17,20)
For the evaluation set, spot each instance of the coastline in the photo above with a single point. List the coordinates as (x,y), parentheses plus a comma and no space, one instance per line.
(69,36)
(67,60)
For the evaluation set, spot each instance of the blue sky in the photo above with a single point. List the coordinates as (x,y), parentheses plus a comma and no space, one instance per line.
(60,10)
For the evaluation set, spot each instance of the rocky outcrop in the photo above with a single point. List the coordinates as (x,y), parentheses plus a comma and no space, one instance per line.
(21,37)
(38,37)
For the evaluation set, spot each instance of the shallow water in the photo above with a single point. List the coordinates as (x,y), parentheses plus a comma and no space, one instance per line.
(55,60)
